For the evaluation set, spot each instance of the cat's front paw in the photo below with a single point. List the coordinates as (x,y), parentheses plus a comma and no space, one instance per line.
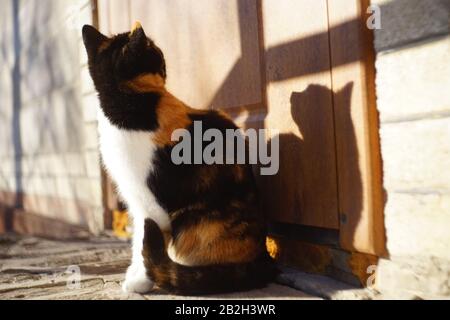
(136,281)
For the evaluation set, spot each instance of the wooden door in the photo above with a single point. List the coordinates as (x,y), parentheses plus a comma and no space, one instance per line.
(299,66)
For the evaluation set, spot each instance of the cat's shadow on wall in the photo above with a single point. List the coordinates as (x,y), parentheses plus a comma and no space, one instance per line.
(295,190)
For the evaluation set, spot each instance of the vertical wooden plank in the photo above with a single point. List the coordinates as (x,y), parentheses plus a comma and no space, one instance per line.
(211,49)
(300,106)
(358,151)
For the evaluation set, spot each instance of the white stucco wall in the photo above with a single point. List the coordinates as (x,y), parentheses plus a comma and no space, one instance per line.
(48,139)
(413,98)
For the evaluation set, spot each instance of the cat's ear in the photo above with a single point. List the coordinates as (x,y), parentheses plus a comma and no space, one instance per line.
(138,38)
(92,39)
(345,93)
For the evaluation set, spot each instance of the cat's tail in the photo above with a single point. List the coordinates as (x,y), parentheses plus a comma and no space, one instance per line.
(191,280)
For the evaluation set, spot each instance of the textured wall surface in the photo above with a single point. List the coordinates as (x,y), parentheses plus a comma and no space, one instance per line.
(408,21)
(48,138)
(413,98)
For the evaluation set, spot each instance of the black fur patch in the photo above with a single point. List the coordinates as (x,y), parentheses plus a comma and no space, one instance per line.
(131,111)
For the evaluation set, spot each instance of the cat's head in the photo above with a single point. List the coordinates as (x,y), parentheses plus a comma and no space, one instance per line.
(127,61)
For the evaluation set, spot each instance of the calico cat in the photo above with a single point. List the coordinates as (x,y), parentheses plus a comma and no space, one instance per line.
(197,227)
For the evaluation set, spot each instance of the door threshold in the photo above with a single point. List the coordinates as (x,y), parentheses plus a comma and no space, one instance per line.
(323,286)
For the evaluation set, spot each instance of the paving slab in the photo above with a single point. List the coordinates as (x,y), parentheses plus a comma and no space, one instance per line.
(35,268)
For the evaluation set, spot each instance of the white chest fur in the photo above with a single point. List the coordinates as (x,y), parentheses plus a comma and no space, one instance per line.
(128,157)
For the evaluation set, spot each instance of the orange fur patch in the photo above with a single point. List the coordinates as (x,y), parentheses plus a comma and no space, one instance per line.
(210,242)
(172,114)
(149,82)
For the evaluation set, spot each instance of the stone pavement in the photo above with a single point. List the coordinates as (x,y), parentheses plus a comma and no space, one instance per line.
(34,268)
